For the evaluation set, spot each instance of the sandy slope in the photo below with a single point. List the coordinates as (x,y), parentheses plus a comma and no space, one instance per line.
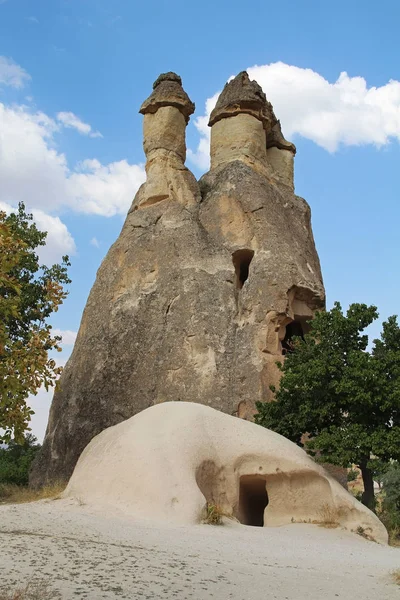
(89,555)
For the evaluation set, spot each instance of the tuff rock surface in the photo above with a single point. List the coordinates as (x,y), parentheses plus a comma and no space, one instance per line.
(171,460)
(200,294)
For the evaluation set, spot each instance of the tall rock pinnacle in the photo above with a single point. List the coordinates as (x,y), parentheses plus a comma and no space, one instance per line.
(202,291)
(166,113)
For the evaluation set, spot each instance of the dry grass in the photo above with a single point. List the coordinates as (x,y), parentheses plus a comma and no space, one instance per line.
(15,494)
(329,517)
(396,576)
(33,590)
(364,533)
(213,515)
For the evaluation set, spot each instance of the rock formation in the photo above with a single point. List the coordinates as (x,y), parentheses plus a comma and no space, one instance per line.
(206,284)
(170,460)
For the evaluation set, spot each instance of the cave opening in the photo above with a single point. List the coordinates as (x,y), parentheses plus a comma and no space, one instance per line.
(241,261)
(297,328)
(253,499)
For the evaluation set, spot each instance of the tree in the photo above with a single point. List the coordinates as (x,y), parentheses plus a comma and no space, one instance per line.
(345,398)
(29,294)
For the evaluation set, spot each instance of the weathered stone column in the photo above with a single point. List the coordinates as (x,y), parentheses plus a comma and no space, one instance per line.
(166,114)
(248,205)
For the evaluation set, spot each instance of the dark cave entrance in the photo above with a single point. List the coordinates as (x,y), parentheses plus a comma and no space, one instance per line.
(241,261)
(253,499)
(296,328)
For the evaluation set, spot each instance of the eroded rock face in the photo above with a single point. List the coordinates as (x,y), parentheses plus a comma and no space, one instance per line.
(167,462)
(208,280)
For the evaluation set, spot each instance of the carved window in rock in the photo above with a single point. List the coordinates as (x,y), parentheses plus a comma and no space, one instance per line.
(241,261)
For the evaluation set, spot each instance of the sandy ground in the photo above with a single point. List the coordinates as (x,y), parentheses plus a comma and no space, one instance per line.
(91,555)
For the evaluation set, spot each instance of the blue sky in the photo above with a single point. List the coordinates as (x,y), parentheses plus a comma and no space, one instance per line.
(73,74)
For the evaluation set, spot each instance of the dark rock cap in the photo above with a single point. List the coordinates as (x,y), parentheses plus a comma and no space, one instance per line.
(242,96)
(168,91)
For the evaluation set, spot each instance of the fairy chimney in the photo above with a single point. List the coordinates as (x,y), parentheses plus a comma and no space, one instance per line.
(202,291)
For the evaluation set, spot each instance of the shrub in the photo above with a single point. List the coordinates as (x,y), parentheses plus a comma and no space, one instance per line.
(352,475)
(389,512)
(396,576)
(213,515)
(391,488)
(33,590)
(328,516)
(16,460)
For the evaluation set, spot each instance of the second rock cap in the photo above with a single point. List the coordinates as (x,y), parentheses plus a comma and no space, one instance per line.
(240,95)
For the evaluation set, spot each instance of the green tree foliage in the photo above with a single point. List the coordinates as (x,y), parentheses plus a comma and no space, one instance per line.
(379,469)
(29,293)
(16,460)
(352,475)
(391,488)
(345,398)
(390,506)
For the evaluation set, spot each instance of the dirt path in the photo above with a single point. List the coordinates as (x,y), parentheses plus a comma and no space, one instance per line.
(95,556)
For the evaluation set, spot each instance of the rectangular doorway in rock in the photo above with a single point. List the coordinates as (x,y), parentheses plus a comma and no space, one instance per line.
(253,499)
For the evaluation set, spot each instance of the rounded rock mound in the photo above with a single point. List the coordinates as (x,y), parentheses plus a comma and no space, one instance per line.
(170,461)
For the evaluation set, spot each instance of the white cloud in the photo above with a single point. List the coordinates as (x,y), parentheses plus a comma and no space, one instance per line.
(69,119)
(12,74)
(95,242)
(105,189)
(68,336)
(37,173)
(59,241)
(33,19)
(346,112)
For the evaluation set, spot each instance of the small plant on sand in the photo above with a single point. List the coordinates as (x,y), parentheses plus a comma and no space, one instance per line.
(328,516)
(16,494)
(33,590)
(213,514)
(363,532)
(396,576)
